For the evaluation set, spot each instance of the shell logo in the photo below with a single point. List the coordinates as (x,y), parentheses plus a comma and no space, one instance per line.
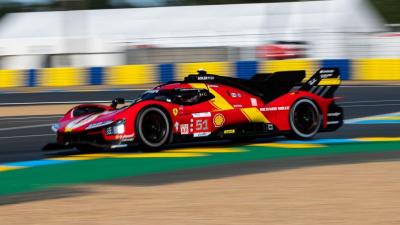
(218,120)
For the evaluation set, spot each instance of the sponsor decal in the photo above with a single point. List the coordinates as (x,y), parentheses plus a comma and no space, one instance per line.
(253,101)
(230,131)
(312,82)
(99,124)
(176,125)
(205,78)
(151,91)
(175,111)
(218,120)
(202,114)
(129,137)
(235,95)
(326,73)
(237,106)
(201,134)
(324,76)
(270,127)
(184,128)
(275,108)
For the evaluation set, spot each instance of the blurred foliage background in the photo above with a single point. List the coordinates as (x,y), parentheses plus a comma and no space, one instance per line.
(389,9)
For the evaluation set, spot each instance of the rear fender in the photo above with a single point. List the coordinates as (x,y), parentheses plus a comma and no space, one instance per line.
(278,110)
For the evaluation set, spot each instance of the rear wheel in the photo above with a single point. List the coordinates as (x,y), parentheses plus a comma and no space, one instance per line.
(305,119)
(153,128)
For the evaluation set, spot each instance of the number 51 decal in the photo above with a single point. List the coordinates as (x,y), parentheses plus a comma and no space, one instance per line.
(201,125)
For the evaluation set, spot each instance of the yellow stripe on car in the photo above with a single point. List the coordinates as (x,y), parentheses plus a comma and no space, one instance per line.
(218,102)
(329,81)
(254,115)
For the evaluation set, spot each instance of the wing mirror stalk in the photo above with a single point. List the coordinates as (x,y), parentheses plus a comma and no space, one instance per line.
(116,101)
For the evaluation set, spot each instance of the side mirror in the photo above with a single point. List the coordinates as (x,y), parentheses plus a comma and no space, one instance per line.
(117,101)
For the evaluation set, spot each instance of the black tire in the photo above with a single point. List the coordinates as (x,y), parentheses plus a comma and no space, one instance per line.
(153,129)
(305,119)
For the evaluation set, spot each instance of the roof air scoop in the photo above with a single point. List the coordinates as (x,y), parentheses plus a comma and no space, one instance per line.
(201,71)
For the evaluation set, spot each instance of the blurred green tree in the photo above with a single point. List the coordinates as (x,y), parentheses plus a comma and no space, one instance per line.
(389,9)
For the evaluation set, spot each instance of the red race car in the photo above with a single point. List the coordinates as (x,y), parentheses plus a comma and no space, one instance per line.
(206,107)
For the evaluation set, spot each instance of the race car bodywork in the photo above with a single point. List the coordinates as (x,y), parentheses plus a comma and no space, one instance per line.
(206,106)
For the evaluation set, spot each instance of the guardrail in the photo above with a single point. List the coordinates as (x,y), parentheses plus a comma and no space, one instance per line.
(350,69)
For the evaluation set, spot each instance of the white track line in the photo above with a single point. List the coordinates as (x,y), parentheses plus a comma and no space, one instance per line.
(50,103)
(56,103)
(29,117)
(27,136)
(26,127)
(370,101)
(371,117)
(374,105)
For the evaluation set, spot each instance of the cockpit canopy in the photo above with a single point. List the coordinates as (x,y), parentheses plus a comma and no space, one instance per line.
(180,96)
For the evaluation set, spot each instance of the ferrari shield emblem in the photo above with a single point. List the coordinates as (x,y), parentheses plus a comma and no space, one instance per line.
(175,111)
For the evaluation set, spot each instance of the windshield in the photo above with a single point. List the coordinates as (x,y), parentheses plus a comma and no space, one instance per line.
(161,95)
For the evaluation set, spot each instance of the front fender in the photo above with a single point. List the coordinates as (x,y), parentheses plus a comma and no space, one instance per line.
(133,111)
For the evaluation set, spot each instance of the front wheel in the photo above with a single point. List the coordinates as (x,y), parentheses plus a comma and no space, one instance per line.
(152,128)
(305,119)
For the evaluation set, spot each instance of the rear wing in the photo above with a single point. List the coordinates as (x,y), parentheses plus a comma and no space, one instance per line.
(323,83)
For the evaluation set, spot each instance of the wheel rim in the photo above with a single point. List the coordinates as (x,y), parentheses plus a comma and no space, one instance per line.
(305,118)
(154,127)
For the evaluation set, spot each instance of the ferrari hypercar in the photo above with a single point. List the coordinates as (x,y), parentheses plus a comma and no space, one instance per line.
(208,107)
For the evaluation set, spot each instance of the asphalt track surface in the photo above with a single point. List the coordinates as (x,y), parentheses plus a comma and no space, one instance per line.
(21,138)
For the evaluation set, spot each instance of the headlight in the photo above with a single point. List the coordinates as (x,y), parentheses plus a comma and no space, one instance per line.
(55,127)
(117,128)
